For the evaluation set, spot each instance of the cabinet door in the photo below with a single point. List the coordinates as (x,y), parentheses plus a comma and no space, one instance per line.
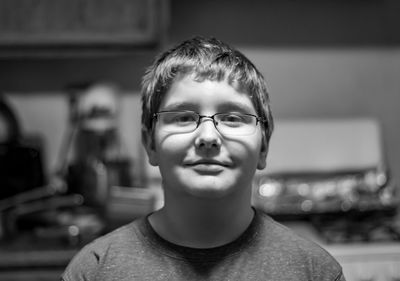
(80,23)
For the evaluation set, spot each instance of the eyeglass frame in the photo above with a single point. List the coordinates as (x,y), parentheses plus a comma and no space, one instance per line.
(212,117)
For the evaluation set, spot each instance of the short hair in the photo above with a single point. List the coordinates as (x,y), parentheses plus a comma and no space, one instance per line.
(205,59)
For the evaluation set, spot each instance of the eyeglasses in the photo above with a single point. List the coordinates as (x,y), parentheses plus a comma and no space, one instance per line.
(237,124)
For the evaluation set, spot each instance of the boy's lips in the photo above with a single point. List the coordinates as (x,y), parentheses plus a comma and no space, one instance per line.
(208,166)
(208,162)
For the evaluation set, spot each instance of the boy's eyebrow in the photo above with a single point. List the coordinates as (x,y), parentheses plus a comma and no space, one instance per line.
(180,106)
(227,106)
(233,106)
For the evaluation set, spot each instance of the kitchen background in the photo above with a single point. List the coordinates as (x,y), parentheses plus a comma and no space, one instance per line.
(323,60)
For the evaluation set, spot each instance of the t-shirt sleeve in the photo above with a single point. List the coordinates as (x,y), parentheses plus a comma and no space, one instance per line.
(83,266)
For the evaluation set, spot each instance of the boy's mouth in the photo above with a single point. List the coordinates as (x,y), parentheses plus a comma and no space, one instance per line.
(207,162)
(207,166)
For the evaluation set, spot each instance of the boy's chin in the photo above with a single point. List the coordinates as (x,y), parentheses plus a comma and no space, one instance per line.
(209,195)
(205,185)
(210,189)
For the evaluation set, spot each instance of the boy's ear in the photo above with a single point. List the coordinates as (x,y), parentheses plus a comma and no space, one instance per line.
(262,159)
(148,143)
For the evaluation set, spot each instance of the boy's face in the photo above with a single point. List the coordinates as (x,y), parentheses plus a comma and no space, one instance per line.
(204,163)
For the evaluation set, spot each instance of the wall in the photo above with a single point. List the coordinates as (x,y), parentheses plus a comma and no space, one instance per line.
(337,83)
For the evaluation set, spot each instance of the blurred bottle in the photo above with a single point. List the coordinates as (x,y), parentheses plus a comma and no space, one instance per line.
(94,158)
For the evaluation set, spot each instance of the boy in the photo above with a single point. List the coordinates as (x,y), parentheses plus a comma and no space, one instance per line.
(206,124)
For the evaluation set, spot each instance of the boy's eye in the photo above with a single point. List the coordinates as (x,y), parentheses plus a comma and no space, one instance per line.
(232,119)
(183,118)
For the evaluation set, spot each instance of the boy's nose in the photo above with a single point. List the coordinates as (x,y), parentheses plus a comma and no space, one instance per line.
(207,135)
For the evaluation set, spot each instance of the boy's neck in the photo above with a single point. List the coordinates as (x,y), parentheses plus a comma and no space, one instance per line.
(202,223)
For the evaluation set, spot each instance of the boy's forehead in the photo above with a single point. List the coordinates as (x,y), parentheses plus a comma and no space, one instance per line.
(189,93)
(196,81)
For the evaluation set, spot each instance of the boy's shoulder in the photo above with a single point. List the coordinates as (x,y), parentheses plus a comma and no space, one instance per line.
(278,244)
(283,238)
(120,237)
(93,254)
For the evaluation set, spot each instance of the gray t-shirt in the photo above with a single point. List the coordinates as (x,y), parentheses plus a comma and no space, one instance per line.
(265,251)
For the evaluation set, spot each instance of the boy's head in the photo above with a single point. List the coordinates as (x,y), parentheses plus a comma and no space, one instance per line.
(204,59)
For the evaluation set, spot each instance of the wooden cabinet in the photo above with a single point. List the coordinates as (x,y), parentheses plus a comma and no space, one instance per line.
(65,26)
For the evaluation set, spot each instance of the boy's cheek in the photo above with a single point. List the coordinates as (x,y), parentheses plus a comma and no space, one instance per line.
(173,143)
